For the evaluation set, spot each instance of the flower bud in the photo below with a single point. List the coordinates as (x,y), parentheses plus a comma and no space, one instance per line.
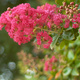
(61,7)
(60,10)
(74,9)
(64,3)
(76,5)
(69,16)
(67,9)
(10,12)
(70,19)
(67,12)
(78,9)
(71,11)
(46,56)
(71,3)
(17,17)
(8,9)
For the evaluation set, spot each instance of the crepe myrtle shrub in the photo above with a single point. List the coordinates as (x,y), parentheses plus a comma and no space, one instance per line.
(49,24)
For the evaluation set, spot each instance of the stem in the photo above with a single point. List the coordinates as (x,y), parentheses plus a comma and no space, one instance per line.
(45,30)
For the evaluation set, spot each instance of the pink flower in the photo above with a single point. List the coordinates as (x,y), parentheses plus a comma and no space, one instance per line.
(49,64)
(21,21)
(78,19)
(78,15)
(67,22)
(75,26)
(49,24)
(1,26)
(46,46)
(43,36)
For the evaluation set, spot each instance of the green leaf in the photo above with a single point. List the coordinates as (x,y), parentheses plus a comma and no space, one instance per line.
(60,39)
(71,45)
(70,55)
(74,72)
(42,78)
(77,65)
(59,2)
(69,28)
(62,45)
(66,71)
(77,42)
(68,35)
(55,38)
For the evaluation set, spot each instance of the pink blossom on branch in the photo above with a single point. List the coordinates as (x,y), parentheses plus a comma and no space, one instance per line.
(48,66)
(21,21)
(43,36)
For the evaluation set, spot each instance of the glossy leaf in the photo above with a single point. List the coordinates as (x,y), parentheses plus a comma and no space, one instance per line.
(75,72)
(62,45)
(69,28)
(70,55)
(66,71)
(55,38)
(77,64)
(68,35)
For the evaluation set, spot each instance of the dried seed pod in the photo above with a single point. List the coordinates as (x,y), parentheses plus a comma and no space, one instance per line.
(71,3)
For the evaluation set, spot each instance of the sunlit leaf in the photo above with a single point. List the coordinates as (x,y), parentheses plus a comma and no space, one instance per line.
(66,71)
(55,38)
(70,55)
(75,72)
(62,45)
(69,28)
(68,35)
(77,65)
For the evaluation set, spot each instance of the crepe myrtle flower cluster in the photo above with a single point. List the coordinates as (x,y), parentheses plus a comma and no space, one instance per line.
(50,63)
(24,22)
(72,13)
